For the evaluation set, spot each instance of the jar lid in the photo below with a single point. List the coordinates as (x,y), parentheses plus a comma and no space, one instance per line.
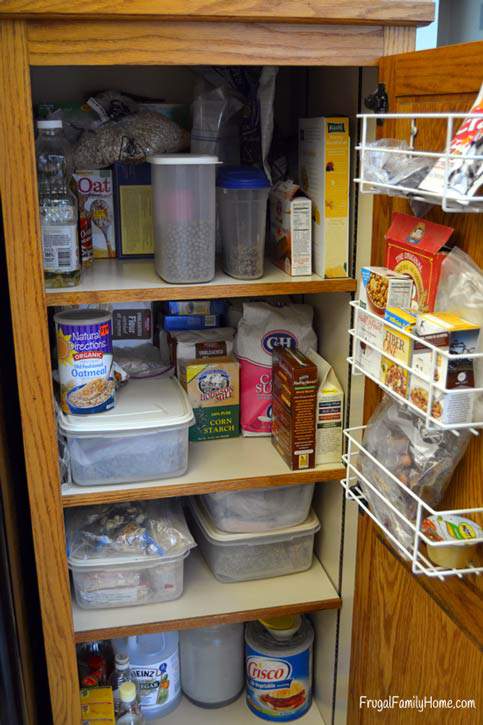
(282,628)
(182,159)
(51,123)
(127,692)
(241,177)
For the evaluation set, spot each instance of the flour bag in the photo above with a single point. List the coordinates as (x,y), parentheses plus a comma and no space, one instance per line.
(261,329)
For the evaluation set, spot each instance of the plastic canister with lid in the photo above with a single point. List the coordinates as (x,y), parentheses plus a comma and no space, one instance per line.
(212,664)
(278,661)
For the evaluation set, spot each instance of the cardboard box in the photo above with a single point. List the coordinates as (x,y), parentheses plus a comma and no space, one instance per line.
(400,347)
(371,330)
(133,210)
(324,165)
(294,389)
(95,186)
(213,388)
(414,248)
(195,307)
(291,229)
(379,288)
(330,413)
(97,706)
(451,334)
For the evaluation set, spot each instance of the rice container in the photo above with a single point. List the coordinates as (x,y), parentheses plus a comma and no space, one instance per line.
(264,509)
(144,438)
(241,557)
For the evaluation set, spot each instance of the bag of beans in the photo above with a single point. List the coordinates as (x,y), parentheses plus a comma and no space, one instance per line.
(262,328)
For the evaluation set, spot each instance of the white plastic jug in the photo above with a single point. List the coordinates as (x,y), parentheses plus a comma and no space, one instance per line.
(154,660)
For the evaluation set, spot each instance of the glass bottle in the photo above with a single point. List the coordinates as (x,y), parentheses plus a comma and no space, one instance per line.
(130,711)
(58,206)
(120,674)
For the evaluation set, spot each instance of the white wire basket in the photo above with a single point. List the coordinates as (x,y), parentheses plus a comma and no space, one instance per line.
(412,546)
(436,392)
(447,197)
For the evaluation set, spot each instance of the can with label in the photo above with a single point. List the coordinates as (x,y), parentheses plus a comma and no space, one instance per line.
(278,661)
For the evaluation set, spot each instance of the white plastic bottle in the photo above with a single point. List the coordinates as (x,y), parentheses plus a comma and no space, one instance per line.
(154,662)
(130,712)
(121,673)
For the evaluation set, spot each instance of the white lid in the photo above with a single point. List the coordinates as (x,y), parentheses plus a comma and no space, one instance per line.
(128,562)
(221,538)
(52,123)
(80,317)
(182,159)
(142,405)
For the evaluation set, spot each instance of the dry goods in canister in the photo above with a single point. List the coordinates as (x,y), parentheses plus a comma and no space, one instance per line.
(278,662)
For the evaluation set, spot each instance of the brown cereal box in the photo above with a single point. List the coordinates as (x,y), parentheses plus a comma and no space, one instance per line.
(380,288)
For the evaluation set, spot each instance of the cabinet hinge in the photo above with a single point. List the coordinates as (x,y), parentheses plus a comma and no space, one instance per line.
(378,101)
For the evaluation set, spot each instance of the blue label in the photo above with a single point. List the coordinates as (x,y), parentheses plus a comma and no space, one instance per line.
(278,688)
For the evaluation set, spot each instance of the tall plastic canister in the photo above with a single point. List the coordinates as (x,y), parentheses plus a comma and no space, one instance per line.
(154,660)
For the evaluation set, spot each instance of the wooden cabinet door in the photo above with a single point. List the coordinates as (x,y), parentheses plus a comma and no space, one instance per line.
(414,636)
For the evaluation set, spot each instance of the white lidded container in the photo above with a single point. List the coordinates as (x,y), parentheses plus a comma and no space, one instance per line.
(212,672)
(144,437)
(242,196)
(242,557)
(184,216)
(264,509)
(154,660)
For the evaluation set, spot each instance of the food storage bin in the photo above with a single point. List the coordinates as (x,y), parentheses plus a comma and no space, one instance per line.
(240,557)
(264,509)
(242,195)
(144,437)
(184,215)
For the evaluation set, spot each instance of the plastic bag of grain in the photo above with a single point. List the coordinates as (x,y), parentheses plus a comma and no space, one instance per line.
(261,329)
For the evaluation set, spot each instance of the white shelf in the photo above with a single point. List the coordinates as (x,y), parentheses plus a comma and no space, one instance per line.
(235,714)
(205,600)
(231,463)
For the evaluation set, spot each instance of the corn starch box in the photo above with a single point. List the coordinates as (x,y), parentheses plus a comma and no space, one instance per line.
(324,153)
(213,390)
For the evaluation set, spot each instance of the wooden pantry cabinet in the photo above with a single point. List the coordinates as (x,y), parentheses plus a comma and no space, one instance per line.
(328,53)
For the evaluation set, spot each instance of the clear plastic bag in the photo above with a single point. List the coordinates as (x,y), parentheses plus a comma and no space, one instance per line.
(216,124)
(120,530)
(389,168)
(142,361)
(423,460)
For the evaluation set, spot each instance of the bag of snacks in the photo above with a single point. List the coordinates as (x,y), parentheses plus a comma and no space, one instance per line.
(421,459)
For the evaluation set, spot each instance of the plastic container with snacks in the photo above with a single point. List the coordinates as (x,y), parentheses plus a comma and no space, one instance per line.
(456,541)
(143,438)
(241,557)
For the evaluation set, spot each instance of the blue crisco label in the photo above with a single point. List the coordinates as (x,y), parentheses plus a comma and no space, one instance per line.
(279,688)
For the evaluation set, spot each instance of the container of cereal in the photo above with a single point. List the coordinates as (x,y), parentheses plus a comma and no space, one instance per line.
(144,438)
(242,196)
(264,509)
(184,214)
(84,354)
(242,557)
(127,554)
(278,662)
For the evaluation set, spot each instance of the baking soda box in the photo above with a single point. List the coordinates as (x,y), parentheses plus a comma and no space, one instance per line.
(213,390)
(94,187)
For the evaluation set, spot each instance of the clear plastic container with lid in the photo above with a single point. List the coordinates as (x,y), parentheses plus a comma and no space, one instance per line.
(242,195)
(184,215)
(143,438)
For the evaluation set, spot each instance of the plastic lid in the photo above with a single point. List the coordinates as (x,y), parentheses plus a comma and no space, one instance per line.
(127,692)
(79,317)
(52,123)
(182,159)
(282,628)
(310,526)
(142,405)
(121,662)
(241,177)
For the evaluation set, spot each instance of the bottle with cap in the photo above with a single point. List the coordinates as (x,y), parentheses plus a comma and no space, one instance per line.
(120,674)
(58,206)
(130,711)
(278,660)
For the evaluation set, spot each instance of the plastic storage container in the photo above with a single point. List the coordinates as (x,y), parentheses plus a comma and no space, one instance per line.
(143,438)
(154,662)
(265,509)
(242,195)
(184,214)
(241,557)
(212,664)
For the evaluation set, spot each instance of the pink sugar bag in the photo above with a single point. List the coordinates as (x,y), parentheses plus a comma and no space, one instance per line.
(261,329)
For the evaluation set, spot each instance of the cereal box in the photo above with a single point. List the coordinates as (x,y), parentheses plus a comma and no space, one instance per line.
(400,347)
(324,161)
(291,229)
(380,288)
(97,706)
(95,186)
(295,384)
(214,392)
(330,412)
(367,350)
(414,248)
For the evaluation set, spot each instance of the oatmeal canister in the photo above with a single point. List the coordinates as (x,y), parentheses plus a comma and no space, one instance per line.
(84,353)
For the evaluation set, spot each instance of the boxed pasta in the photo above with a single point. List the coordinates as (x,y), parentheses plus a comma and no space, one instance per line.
(94,189)
(291,229)
(330,412)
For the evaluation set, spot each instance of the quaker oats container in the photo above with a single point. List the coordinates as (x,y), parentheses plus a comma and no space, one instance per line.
(184,215)
(242,557)
(144,438)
